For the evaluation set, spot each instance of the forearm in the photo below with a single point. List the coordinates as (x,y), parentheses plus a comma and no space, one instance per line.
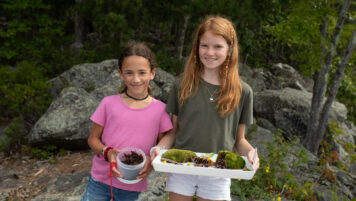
(94,140)
(168,140)
(243,146)
(95,144)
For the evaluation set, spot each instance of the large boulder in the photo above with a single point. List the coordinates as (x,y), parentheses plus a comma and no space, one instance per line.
(66,121)
(77,92)
(288,109)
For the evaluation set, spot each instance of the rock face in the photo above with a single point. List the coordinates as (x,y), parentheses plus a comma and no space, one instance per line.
(288,109)
(282,99)
(78,92)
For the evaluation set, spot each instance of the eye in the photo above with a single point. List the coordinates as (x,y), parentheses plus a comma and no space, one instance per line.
(127,72)
(203,46)
(218,46)
(143,72)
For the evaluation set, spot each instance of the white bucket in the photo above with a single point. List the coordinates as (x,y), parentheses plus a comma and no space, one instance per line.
(129,172)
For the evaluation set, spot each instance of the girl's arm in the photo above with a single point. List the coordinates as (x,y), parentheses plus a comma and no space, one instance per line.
(243,147)
(94,140)
(168,139)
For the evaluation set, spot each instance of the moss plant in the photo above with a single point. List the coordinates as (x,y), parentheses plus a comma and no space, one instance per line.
(178,155)
(233,161)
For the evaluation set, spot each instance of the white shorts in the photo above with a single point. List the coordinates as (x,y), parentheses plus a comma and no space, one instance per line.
(211,188)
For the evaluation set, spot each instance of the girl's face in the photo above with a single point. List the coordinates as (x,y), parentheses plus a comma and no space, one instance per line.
(136,73)
(213,50)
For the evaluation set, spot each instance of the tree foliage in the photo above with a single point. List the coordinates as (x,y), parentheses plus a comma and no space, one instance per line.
(36,35)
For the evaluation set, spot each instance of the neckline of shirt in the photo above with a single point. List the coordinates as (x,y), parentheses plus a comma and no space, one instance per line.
(136,109)
(212,85)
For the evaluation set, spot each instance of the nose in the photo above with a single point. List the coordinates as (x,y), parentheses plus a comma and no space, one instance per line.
(210,51)
(136,78)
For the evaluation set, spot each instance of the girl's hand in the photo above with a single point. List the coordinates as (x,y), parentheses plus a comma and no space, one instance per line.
(250,156)
(155,152)
(112,159)
(146,170)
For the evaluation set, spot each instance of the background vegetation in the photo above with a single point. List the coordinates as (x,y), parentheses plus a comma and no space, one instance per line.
(40,39)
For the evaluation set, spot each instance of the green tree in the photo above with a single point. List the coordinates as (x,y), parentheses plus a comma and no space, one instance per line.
(306,29)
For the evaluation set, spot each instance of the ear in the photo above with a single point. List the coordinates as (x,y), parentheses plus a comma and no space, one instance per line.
(153,73)
(120,73)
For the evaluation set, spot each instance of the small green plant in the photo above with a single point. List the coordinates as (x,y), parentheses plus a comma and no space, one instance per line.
(334,128)
(40,154)
(352,158)
(48,152)
(13,135)
(349,147)
(273,180)
(62,152)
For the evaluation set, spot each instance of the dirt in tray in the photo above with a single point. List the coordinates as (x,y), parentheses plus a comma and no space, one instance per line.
(133,158)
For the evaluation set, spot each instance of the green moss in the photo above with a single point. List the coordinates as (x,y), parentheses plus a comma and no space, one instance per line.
(178,155)
(233,161)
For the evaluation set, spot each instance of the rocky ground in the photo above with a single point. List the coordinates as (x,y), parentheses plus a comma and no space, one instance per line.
(23,178)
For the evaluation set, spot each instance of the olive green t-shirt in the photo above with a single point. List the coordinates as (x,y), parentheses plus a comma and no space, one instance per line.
(200,126)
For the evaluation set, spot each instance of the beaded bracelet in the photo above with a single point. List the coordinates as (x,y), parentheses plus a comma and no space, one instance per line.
(106,151)
(155,147)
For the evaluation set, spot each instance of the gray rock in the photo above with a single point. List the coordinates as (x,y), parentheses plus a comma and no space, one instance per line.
(292,78)
(87,76)
(264,123)
(77,93)
(65,188)
(66,120)
(155,190)
(255,78)
(279,105)
(259,137)
(294,122)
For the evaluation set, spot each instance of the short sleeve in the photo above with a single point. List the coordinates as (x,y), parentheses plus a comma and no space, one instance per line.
(166,123)
(247,107)
(99,115)
(172,103)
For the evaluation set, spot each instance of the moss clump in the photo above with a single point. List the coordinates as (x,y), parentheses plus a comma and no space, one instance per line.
(178,155)
(233,161)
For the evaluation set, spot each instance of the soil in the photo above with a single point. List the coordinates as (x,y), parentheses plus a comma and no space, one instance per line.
(22,177)
(133,158)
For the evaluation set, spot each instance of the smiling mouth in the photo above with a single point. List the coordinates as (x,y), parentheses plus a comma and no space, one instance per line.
(210,59)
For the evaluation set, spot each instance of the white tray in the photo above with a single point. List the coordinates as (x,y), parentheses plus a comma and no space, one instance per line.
(204,171)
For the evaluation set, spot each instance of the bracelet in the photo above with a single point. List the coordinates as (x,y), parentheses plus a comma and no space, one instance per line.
(103,150)
(113,164)
(155,147)
(106,153)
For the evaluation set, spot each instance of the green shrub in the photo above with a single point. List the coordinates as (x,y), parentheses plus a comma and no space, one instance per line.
(48,152)
(14,136)
(169,64)
(24,91)
(273,180)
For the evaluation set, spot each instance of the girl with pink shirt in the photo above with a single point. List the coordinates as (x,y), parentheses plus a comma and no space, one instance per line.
(132,118)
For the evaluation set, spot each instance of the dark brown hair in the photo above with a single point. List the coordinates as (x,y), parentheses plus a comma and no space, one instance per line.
(134,48)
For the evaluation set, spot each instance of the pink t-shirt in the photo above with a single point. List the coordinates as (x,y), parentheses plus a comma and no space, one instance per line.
(127,127)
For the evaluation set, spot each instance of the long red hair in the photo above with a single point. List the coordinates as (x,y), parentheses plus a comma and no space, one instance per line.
(230,89)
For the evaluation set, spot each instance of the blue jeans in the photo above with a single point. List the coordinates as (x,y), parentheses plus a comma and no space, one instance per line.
(97,191)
